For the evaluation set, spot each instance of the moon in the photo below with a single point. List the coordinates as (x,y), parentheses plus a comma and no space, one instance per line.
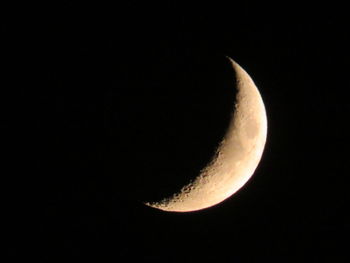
(236,157)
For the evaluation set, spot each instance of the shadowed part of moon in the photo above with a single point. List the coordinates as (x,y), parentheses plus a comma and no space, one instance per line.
(236,157)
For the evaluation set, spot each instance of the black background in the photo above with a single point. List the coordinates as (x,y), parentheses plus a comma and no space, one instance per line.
(108,105)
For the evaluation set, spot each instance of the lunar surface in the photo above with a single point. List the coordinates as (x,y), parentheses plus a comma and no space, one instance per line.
(236,157)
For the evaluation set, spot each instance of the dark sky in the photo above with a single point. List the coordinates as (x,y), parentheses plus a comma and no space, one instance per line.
(106,106)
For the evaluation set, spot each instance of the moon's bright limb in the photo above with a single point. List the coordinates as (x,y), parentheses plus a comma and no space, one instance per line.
(236,158)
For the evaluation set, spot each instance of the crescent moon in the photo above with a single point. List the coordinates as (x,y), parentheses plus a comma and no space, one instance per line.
(236,157)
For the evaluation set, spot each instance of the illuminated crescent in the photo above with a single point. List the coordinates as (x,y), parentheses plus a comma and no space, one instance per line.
(236,157)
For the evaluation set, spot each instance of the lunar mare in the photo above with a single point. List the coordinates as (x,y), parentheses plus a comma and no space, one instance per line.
(236,157)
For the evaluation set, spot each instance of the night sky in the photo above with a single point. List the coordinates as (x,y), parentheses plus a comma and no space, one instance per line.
(107,106)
